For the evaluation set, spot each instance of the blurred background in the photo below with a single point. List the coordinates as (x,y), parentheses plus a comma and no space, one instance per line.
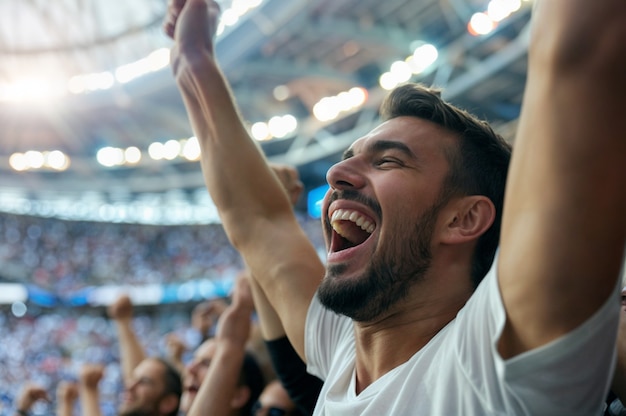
(100,189)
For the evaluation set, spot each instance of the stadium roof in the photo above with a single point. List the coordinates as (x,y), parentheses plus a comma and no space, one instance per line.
(77,76)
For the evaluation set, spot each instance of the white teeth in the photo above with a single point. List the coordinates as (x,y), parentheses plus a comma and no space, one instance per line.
(353,216)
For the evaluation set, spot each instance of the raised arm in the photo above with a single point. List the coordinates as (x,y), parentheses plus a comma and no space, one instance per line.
(270,323)
(221,382)
(89,379)
(302,387)
(254,209)
(67,393)
(175,348)
(131,350)
(564,220)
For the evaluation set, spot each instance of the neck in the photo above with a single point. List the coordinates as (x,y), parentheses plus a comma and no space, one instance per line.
(390,341)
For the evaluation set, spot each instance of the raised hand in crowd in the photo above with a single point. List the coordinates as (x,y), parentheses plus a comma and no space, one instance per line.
(88,388)
(131,350)
(30,394)
(175,348)
(204,316)
(67,394)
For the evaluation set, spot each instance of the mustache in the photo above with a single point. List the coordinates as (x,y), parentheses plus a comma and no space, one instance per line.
(352,195)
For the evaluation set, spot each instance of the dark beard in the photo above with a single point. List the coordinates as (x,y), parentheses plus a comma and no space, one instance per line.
(388,279)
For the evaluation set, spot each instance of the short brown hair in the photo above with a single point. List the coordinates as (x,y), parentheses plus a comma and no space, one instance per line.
(479,165)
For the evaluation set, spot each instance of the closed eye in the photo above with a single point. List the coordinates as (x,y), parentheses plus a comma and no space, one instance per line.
(388,162)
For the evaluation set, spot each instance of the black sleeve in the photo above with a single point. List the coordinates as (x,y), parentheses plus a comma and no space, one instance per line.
(303,388)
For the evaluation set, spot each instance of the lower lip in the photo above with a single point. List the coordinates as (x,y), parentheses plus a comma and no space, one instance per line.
(342,256)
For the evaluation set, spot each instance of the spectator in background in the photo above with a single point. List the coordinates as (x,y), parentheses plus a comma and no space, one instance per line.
(154,389)
(275,401)
(150,383)
(49,347)
(66,395)
(215,353)
(67,256)
(131,351)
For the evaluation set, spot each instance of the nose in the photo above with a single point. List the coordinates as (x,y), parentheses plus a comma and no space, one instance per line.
(132,384)
(345,175)
(191,368)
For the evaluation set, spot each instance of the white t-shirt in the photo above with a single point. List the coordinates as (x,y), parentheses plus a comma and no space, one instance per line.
(459,372)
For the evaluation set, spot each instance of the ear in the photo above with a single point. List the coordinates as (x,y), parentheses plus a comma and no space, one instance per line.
(168,404)
(241,397)
(469,218)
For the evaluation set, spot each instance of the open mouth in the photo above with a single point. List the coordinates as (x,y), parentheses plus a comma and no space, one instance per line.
(351,228)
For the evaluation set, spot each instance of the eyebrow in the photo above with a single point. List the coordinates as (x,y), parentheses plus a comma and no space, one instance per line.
(382,145)
(146,380)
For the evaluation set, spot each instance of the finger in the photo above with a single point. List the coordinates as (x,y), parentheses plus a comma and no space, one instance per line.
(174,8)
(169,28)
(213,5)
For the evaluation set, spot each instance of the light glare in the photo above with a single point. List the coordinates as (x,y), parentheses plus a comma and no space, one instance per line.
(481,24)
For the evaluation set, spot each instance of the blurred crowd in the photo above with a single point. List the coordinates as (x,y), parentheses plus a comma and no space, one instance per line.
(64,256)
(51,348)
(48,346)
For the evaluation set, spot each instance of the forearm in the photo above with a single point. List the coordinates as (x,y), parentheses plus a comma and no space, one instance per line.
(231,160)
(270,323)
(89,401)
(131,350)
(220,383)
(64,408)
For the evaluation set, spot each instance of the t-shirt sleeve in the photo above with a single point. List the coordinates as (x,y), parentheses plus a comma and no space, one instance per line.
(324,331)
(570,374)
